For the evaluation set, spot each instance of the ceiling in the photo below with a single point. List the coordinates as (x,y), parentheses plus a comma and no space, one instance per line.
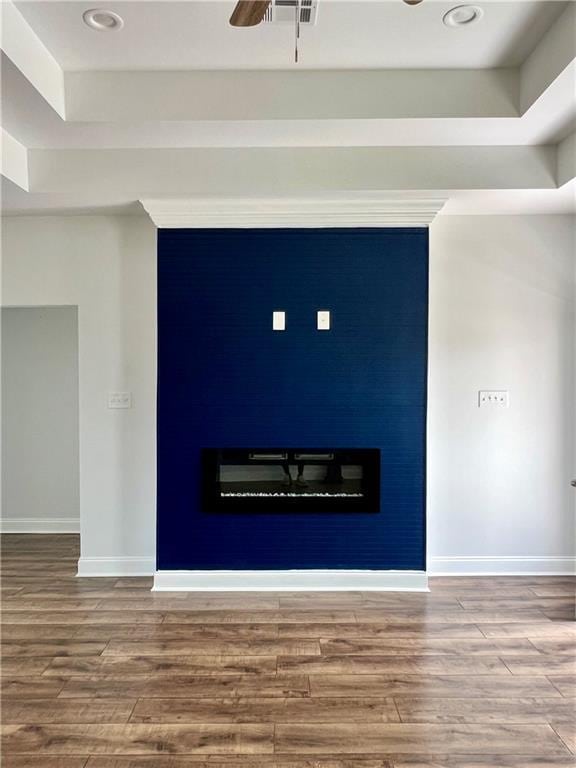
(355,34)
(385,99)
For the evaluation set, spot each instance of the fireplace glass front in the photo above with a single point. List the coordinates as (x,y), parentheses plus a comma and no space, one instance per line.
(291,480)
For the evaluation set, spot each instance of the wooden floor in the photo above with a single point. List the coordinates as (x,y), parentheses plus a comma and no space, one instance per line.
(102,673)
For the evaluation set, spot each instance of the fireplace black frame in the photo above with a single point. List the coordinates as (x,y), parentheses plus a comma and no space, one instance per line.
(366,501)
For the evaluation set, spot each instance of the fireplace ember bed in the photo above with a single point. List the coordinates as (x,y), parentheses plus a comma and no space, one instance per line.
(246,480)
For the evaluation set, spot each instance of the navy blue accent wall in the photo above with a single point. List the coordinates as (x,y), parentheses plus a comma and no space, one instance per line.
(225,379)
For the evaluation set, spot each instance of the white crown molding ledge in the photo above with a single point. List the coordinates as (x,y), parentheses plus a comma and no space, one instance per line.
(390,211)
(498,565)
(290,581)
(40,525)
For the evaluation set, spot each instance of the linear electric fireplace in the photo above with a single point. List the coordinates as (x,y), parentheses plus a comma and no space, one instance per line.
(291,480)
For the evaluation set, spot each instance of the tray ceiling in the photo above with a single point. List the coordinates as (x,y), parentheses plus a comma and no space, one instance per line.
(386,99)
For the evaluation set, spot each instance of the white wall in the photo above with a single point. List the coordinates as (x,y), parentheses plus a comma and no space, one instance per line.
(107,267)
(40,476)
(502,316)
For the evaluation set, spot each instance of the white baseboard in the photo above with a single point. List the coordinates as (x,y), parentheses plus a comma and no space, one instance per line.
(289,581)
(116,566)
(497,566)
(40,525)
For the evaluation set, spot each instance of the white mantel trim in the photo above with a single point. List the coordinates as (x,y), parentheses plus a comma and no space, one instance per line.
(389,211)
(290,581)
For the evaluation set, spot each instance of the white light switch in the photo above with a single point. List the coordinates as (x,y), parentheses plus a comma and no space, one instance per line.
(120,400)
(494,397)
(278,321)
(323,320)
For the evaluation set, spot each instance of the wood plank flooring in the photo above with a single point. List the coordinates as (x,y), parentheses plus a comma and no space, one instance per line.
(102,673)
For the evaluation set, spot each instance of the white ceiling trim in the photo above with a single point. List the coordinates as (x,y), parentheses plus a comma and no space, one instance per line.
(25,49)
(549,59)
(13,160)
(566,159)
(324,172)
(125,96)
(270,213)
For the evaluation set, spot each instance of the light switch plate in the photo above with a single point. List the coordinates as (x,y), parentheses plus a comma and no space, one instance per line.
(493,397)
(323,320)
(120,400)
(278,321)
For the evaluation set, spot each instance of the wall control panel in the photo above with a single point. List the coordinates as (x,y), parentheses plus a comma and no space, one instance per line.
(323,320)
(278,321)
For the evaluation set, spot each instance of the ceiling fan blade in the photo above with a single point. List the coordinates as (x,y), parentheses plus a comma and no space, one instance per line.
(249,13)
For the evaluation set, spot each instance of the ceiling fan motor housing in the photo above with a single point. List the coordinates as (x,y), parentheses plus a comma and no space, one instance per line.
(282,12)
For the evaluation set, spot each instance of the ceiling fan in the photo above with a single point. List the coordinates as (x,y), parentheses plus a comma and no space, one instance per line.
(249,13)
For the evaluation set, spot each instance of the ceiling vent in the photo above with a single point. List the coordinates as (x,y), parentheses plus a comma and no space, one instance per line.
(283,12)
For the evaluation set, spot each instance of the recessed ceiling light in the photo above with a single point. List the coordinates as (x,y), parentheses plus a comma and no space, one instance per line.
(102,21)
(462,15)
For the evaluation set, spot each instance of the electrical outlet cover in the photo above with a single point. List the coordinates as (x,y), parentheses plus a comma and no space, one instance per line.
(119,400)
(493,397)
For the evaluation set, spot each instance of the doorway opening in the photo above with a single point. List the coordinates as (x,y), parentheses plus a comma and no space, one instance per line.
(40,423)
